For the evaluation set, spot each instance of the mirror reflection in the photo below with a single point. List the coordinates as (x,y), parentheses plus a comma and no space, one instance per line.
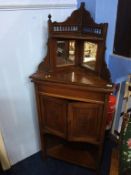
(89,55)
(65,53)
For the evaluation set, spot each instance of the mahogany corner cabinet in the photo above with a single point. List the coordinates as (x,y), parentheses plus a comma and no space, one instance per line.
(72,86)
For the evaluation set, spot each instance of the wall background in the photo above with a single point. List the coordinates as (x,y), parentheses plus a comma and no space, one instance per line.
(23,37)
(106,11)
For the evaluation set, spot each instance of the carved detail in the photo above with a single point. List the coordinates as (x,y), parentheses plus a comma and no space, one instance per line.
(49,16)
(105,73)
(45,64)
(80,21)
(79,17)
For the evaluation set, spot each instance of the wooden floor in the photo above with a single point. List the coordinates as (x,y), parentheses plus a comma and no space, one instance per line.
(114,162)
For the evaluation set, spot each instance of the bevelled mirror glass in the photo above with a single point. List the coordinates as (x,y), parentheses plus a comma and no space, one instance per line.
(89,55)
(65,53)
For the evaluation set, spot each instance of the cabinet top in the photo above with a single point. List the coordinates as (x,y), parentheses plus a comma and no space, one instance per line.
(76,49)
(74,76)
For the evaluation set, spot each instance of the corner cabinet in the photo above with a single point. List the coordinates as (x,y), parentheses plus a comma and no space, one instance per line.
(72,86)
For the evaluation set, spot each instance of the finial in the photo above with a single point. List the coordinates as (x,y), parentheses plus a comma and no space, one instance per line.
(49,16)
(82,5)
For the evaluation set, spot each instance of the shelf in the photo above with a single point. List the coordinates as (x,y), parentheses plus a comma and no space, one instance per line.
(79,37)
(75,156)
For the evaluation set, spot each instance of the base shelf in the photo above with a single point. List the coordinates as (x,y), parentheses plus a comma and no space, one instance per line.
(79,157)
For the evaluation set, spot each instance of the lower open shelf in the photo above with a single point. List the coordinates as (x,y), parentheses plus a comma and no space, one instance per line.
(79,157)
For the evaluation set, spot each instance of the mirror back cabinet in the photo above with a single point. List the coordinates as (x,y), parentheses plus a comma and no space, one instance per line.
(72,86)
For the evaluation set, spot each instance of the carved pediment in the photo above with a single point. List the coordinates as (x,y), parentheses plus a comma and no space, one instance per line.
(79,22)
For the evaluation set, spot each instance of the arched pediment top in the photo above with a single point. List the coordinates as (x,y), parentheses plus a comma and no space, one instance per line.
(79,22)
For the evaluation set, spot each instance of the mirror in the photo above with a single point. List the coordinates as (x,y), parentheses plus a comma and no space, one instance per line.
(65,53)
(89,55)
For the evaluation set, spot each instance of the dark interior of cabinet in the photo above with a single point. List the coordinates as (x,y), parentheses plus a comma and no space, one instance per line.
(82,154)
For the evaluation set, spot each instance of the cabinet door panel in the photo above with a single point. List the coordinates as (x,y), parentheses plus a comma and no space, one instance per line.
(54,115)
(84,122)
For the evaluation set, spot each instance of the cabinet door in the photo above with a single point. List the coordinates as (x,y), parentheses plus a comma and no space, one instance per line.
(84,122)
(54,115)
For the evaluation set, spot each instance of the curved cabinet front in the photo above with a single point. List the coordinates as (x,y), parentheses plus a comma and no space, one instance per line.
(54,117)
(84,122)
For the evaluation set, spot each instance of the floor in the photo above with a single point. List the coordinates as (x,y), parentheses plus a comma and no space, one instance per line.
(35,165)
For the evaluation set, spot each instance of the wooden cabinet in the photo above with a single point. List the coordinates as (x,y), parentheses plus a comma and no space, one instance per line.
(72,86)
